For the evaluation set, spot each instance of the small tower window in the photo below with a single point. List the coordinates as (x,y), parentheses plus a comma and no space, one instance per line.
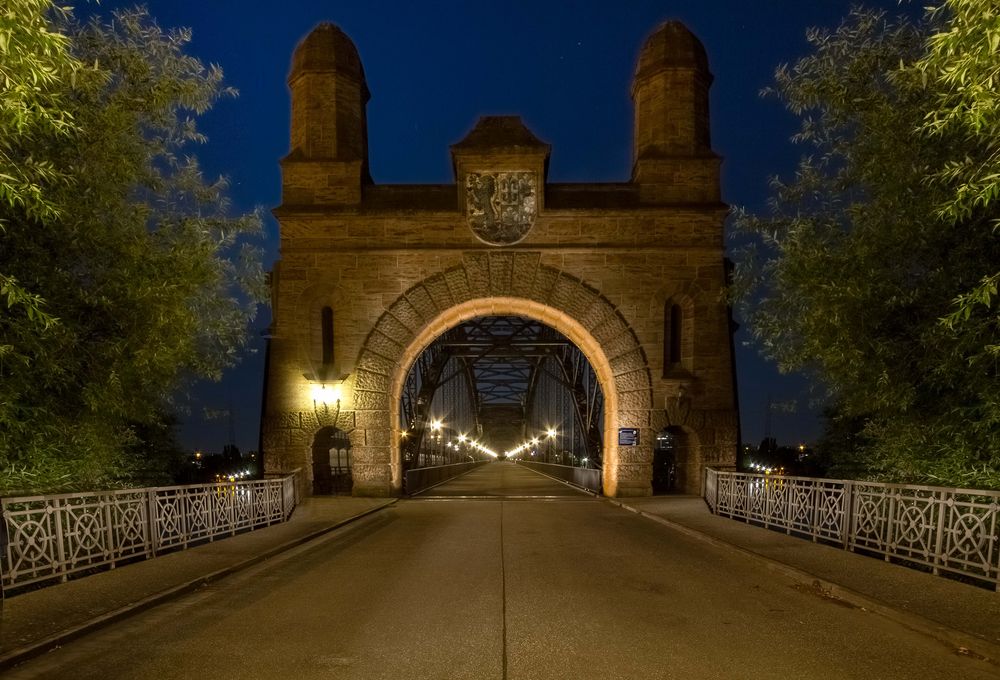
(673,321)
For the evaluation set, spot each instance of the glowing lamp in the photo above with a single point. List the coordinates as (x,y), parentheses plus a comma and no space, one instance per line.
(327,394)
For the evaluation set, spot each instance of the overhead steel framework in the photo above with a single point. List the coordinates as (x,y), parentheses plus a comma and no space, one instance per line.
(505,380)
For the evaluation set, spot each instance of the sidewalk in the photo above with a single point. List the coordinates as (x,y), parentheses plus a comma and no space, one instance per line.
(958,614)
(34,622)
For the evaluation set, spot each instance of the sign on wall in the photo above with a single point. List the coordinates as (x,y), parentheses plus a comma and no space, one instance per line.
(628,436)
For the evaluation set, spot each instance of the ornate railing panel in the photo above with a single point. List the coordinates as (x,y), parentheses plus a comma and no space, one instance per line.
(44,538)
(945,530)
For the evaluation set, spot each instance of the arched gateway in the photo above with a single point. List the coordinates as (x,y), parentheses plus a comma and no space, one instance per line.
(370,275)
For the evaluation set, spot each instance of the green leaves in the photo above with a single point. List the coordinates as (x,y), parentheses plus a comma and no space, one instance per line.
(35,64)
(886,226)
(148,281)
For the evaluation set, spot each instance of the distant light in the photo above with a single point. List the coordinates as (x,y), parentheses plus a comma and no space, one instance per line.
(436,425)
(461,438)
(551,433)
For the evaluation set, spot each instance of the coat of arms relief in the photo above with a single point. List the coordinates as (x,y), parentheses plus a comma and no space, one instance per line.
(501,206)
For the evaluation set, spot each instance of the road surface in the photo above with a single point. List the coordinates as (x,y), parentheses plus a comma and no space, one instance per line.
(506,574)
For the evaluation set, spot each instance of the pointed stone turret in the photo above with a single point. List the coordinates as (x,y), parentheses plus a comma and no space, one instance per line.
(673,157)
(328,161)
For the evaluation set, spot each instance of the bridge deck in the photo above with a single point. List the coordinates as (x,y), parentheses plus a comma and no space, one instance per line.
(503,479)
(555,588)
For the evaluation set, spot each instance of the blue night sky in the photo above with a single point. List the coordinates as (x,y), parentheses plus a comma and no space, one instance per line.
(434,67)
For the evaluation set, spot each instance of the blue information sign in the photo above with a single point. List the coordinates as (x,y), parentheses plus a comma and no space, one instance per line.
(628,436)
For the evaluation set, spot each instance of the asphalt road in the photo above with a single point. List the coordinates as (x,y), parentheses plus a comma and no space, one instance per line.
(554,586)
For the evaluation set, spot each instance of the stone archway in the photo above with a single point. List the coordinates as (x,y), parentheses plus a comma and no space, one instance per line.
(501,283)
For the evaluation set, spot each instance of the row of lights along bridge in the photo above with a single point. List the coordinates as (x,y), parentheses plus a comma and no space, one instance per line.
(443,449)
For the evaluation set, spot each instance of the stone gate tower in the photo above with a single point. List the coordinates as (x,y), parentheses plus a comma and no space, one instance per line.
(371,274)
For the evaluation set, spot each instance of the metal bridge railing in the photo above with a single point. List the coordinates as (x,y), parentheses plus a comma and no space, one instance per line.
(945,530)
(45,538)
(585,478)
(421,479)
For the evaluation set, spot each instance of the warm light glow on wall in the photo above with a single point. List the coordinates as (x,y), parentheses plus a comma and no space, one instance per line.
(327,394)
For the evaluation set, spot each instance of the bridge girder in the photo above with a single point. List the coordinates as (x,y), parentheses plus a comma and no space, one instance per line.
(502,360)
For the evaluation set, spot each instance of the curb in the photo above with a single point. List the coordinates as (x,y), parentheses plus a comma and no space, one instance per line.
(33,649)
(963,643)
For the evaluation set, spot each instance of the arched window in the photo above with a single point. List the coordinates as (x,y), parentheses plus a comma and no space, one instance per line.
(673,322)
(326,329)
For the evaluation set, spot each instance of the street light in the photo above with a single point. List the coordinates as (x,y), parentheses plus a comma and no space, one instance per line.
(436,426)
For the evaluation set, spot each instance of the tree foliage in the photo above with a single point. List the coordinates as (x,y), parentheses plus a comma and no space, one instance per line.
(35,65)
(868,247)
(152,281)
(963,66)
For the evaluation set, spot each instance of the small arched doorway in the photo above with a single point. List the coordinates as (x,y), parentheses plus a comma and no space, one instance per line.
(331,462)
(671,461)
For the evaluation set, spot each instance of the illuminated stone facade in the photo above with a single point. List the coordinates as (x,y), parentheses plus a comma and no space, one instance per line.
(605,264)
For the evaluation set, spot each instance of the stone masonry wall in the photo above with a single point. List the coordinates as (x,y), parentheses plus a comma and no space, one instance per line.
(416,266)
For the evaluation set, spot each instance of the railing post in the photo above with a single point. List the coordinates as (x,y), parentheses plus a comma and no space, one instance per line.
(816,496)
(109,526)
(890,527)
(4,550)
(185,507)
(233,491)
(942,506)
(60,547)
(847,516)
(152,522)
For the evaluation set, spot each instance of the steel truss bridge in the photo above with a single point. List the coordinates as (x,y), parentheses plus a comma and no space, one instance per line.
(503,383)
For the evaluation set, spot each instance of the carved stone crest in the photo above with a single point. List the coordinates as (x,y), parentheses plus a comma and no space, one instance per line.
(501,206)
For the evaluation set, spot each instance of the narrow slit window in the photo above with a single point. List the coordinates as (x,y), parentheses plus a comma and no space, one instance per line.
(672,333)
(326,326)
(676,322)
